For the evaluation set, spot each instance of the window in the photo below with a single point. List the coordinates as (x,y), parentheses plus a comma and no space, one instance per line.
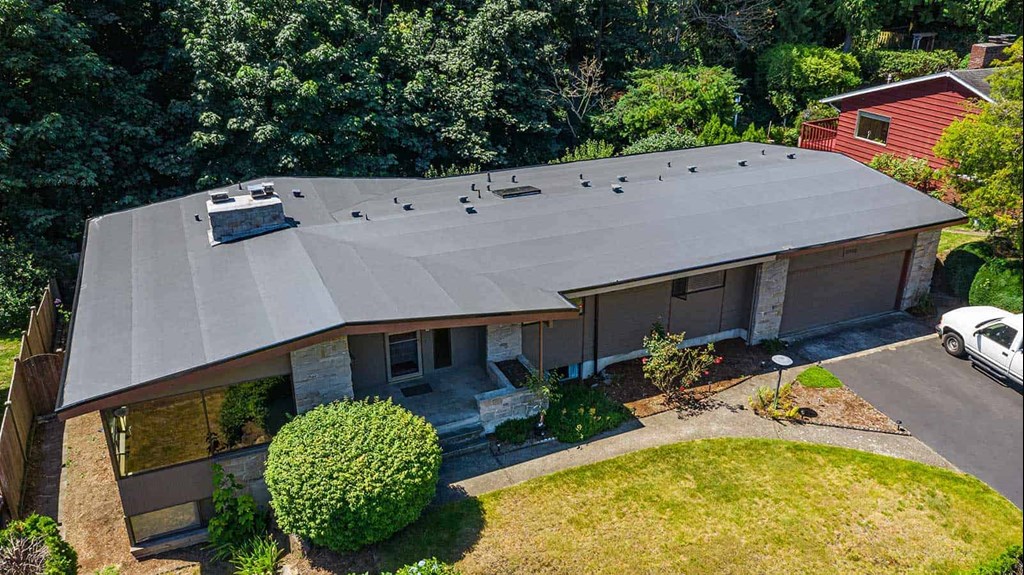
(403,356)
(165,521)
(191,426)
(1000,333)
(693,284)
(872,127)
(567,372)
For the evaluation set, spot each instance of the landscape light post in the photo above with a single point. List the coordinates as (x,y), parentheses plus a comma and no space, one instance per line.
(782,362)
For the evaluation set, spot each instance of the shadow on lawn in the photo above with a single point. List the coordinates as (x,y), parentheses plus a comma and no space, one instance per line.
(446,532)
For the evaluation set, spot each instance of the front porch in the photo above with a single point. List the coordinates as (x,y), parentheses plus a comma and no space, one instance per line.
(447,398)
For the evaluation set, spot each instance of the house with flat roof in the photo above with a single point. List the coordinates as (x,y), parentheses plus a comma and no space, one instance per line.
(301,291)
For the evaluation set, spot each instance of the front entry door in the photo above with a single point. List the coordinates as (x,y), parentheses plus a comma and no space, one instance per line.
(404,358)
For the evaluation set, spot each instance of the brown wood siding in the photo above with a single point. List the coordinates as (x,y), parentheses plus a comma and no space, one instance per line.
(919,113)
(713,311)
(626,316)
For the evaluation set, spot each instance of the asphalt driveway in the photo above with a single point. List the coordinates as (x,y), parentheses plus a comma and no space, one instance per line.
(974,421)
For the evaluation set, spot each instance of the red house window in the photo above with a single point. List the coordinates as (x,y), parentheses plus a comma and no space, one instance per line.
(872,127)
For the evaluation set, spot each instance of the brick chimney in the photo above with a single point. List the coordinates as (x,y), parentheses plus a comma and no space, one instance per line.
(236,217)
(984,53)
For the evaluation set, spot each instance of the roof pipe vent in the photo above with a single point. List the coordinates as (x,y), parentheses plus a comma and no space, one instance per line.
(407,207)
(585,183)
(692,169)
(514,180)
(617,188)
(622,178)
(470,210)
(659,177)
(742,162)
(198,219)
(357,214)
(581,175)
(791,156)
(463,199)
(472,187)
(488,176)
(669,164)
(488,187)
(762,152)
(395,199)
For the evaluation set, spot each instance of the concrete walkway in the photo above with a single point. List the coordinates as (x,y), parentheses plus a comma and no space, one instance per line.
(729,416)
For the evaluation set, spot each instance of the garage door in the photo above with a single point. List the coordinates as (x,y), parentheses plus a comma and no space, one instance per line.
(841,285)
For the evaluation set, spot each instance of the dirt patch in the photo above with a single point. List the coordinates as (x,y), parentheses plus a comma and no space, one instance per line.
(514,370)
(840,406)
(92,516)
(629,387)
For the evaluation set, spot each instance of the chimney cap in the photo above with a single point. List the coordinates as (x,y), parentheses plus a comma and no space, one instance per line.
(220,196)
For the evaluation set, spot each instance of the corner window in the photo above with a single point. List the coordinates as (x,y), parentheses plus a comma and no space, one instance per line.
(872,127)
(191,426)
(694,284)
(1000,333)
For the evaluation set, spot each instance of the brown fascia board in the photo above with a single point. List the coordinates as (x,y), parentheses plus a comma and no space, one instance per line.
(163,386)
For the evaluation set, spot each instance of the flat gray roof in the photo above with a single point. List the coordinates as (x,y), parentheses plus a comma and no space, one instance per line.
(156,300)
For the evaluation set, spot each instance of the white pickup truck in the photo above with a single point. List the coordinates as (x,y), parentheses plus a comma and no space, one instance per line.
(990,336)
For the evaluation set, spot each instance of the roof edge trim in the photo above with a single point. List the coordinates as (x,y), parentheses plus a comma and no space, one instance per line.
(907,82)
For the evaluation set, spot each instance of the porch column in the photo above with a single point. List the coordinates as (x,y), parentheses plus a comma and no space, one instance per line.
(322,373)
(769,297)
(504,341)
(922,263)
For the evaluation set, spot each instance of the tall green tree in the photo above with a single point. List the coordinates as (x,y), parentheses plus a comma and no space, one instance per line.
(793,75)
(666,98)
(985,149)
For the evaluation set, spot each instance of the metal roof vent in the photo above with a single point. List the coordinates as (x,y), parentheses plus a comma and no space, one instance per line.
(585,183)
(357,214)
(516,192)
(791,156)
(219,196)
(692,169)
(470,210)
(407,207)
(742,162)
(261,190)
(617,188)
(621,178)
(297,193)
(463,199)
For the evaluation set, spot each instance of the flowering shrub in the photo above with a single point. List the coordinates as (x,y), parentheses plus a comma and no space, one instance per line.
(674,369)
(580,411)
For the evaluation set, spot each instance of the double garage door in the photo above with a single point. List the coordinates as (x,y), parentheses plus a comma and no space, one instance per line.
(843,284)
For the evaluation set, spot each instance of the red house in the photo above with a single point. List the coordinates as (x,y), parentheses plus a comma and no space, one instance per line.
(903,118)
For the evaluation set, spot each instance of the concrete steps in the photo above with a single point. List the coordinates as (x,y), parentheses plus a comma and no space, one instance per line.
(463,440)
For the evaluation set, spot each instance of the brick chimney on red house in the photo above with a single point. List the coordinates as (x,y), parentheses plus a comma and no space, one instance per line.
(984,53)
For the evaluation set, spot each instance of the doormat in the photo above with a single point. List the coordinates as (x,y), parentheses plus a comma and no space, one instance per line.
(414,390)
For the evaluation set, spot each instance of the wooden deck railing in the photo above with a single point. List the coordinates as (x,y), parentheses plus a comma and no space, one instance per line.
(818,134)
(33,392)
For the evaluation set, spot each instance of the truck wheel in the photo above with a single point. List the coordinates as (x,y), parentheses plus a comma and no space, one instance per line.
(954,344)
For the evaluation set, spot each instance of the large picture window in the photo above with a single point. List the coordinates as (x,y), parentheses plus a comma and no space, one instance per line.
(192,426)
(872,127)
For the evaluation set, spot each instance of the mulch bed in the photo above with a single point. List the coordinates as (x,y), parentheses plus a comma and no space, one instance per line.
(514,370)
(629,387)
(839,406)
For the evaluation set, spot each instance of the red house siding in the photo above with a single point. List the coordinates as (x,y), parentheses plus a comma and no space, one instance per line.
(918,113)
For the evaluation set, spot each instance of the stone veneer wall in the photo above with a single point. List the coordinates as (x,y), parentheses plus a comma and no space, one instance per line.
(248,469)
(509,405)
(504,341)
(769,297)
(322,373)
(919,276)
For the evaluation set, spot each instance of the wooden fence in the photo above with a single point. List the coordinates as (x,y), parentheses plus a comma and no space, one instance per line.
(33,392)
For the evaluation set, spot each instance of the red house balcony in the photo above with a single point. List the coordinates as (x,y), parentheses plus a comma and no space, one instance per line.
(818,134)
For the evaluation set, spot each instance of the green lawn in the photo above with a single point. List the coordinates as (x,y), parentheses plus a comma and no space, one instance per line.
(955,237)
(9,347)
(818,376)
(722,506)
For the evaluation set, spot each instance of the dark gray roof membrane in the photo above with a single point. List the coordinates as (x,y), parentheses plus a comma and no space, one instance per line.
(156,299)
(977,79)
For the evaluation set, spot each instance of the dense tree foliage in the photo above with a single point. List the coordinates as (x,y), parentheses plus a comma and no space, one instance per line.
(986,151)
(108,104)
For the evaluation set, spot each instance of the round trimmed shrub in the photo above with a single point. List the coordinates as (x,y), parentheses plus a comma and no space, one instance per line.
(351,473)
(962,265)
(999,283)
(36,540)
